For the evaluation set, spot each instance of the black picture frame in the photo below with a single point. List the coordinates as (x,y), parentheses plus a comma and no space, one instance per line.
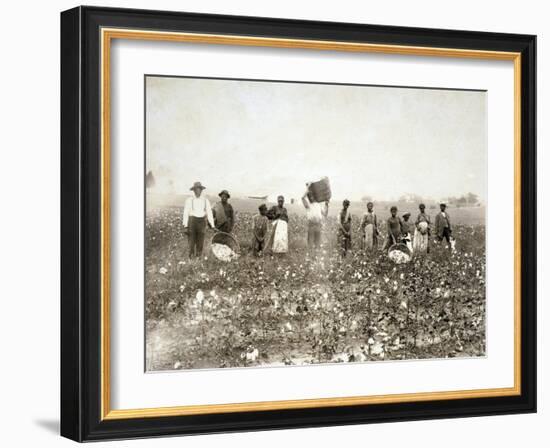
(81,224)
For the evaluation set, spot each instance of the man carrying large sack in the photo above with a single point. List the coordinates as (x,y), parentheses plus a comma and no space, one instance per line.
(316,212)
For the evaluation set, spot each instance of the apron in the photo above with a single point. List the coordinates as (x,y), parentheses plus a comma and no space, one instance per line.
(420,242)
(369,237)
(280,237)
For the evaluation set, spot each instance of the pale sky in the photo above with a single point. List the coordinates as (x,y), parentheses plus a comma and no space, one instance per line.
(265,138)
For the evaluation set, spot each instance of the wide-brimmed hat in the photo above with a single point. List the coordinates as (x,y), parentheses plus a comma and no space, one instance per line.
(197,185)
(405,215)
(224,192)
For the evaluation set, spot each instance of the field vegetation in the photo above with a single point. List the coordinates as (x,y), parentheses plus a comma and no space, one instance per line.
(301,308)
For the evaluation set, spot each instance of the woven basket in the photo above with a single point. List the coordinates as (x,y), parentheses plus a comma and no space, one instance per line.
(226,239)
(401,247)
(399,253)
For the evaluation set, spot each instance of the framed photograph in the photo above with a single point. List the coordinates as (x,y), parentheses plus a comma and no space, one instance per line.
(273,223)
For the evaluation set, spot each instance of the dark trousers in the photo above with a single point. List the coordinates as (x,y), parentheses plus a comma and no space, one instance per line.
(258,246)
(345,243)
(446,235)
(313,234)
(225,227)
(195,237)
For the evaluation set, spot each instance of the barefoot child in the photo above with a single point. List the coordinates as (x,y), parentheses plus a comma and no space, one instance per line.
(259,223)
(394,228)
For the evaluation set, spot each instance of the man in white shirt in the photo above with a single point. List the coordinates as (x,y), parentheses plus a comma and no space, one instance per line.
(315,212)
(196,213)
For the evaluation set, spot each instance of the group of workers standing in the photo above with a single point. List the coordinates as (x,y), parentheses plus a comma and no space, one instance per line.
(198,214)
(399,229)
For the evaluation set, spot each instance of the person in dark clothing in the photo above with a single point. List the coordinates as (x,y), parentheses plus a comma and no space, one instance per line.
(443,224)
(394,227)
(344,231)
(278,211)
(224,216)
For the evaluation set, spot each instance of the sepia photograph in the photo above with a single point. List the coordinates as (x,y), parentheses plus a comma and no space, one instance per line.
(296,223)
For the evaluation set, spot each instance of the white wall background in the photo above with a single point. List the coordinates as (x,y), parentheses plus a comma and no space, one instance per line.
(29,228)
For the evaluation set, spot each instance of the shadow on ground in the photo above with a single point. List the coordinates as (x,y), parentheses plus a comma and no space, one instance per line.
(51,426)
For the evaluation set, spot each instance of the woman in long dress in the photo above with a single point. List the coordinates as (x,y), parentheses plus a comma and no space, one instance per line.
(422,232)
(278,215)
(369,227)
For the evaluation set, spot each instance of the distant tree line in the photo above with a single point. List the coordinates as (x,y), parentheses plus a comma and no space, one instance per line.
(466,200)
(469,199)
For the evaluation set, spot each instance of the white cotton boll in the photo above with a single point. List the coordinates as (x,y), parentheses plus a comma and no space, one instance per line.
(199,296)
(252,355)
(163,271)
(223,252)
(399,257)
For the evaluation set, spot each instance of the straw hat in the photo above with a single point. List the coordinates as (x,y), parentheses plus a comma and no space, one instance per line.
(197,185)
